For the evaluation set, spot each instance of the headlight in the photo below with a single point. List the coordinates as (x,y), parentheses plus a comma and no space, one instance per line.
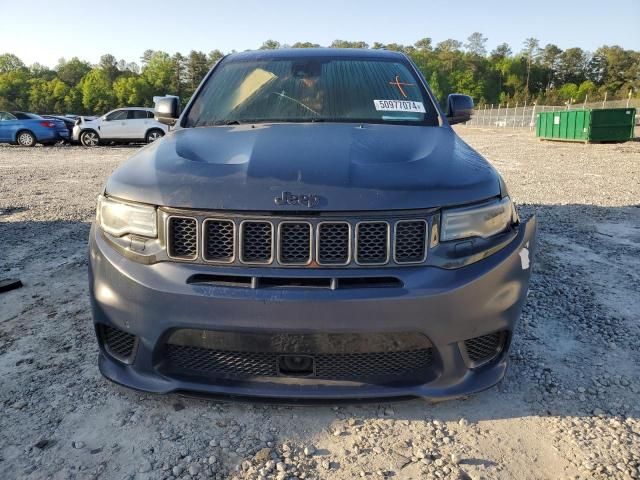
(478,220)
(119,218)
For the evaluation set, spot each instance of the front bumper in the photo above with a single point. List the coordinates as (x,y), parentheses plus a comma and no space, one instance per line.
(447,306)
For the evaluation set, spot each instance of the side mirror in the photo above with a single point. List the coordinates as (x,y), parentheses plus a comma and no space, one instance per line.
(167,109)
(459,108)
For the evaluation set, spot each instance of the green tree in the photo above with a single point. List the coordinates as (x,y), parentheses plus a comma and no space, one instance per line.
(531,50)
(477,44)
(146,57)
(434,83)
(14,90)
(10,63)
(72,71)
(132,90)
(270,45)
(97,91)
(568,92)
(213,57)
(109,65)
(305,45)
(550,60)
(47,96)
(573,66)
(424,44)
(158,75)
(196,67)
(348,44)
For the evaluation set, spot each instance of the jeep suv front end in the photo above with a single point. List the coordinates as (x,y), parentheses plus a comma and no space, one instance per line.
(311,229)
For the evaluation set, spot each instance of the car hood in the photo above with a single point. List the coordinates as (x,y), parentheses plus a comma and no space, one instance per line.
(347,166)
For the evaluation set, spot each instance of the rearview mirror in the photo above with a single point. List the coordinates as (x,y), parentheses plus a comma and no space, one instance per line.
(459,108)
(167,109)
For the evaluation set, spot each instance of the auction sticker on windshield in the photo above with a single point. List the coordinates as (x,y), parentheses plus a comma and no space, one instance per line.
(399,106)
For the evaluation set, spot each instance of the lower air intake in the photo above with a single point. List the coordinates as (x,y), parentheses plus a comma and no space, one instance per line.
(483,349)
(368,358)
(120,345)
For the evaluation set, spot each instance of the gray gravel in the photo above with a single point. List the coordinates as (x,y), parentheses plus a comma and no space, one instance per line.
(568,407)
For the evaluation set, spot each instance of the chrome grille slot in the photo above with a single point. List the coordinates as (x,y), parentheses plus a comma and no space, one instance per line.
(334,242)
(410,241)
(294,243)
(219,240)
(183,238)
(256,238)
(372,243)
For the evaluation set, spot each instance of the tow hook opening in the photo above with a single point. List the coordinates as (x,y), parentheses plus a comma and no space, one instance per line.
(296,365)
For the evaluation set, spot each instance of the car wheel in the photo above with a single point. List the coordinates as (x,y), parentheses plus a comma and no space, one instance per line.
(154,135)
(26,139)
(89,138)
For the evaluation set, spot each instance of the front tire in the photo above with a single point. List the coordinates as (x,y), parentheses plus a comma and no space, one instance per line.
(26,139)
(153,135)
(89,138)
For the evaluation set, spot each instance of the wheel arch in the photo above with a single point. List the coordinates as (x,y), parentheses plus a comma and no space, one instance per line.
(89,129)
(152,129)
(21,130)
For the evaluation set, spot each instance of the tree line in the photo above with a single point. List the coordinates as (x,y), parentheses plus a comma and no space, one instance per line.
(546,75)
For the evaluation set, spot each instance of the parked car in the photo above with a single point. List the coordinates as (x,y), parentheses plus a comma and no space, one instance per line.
(311,228)
(124,125)
(68,122)
(27,129)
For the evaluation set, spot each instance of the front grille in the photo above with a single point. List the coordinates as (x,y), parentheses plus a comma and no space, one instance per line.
(333,243)
(349,366)
(183,238)
(373,357)
(219,240)
(411,239)
(294,242)
(372,243)
(118,343)
(223,363)
(389,366)
(485,348)
(257,242)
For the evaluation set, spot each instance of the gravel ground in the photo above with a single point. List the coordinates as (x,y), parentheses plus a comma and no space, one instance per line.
(568,407)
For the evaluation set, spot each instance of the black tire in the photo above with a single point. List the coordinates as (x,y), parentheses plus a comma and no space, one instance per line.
(153,135)
(25,138)
(89,138)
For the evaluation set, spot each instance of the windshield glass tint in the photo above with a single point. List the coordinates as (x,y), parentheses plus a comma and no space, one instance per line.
(311,89)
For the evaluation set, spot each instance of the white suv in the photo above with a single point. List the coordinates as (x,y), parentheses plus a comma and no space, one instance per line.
(123,125)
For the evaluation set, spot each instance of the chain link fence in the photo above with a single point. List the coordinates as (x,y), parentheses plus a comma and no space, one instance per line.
(524,116)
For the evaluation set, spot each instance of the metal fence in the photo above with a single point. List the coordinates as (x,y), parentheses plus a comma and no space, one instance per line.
(524,116)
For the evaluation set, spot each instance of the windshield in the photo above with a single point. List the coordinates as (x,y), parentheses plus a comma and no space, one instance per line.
(311,89)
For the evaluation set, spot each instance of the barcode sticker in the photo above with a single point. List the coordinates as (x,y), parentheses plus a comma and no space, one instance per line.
(399,106)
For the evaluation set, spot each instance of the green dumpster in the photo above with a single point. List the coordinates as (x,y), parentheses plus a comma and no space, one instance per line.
(593,125)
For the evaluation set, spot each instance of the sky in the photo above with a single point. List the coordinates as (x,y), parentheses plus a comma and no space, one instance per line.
(126,28)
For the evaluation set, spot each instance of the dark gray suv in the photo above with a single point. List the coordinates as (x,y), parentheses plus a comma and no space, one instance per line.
(311,228)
